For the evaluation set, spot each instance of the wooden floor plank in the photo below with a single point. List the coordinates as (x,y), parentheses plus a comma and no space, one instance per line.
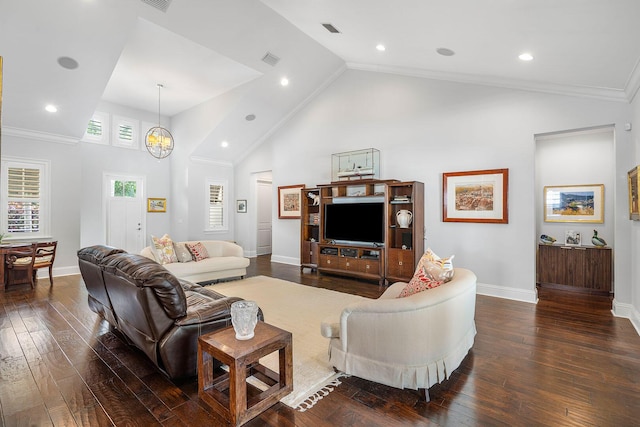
(564,361)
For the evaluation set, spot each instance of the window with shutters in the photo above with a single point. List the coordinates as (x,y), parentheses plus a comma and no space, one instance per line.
(25,198)
(125,132)
(97,129)
(216,206)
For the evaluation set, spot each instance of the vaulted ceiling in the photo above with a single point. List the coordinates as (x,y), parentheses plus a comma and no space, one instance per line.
(208,55)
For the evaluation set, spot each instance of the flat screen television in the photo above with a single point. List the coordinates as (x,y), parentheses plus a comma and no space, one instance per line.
(354,222)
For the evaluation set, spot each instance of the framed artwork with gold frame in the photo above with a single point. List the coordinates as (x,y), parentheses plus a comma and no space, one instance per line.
(633,178)
(574,203)
(156,204)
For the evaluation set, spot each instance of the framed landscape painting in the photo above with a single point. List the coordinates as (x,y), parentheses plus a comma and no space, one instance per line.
(475,196)
(289,201)
(574,203)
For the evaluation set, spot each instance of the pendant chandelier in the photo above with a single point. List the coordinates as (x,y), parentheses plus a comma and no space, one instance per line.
(159,141)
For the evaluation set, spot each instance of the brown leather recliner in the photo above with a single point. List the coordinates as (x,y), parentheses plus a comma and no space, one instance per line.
(160,314)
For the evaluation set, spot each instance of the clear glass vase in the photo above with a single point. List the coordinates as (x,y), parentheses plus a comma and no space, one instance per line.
(244,317)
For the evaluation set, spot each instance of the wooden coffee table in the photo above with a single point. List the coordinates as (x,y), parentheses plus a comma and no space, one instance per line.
(228,393)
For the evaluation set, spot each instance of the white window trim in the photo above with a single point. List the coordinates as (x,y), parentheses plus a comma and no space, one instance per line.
(104,118)
(45,197)
(225,205)
(134,144)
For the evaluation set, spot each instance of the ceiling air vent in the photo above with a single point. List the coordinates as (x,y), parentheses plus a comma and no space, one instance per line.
(270,59)
(161,5)
(331,28)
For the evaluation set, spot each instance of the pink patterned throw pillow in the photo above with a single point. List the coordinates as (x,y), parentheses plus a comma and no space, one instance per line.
(420,282)
(198,251)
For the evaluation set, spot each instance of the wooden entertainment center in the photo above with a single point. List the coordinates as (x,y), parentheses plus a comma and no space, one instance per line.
(390,261)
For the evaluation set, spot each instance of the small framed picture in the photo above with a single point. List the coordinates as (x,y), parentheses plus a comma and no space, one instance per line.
(155,204)
(241,206)
(289,201)
(572,238)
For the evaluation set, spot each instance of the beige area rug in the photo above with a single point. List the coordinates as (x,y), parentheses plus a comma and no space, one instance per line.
(300,310)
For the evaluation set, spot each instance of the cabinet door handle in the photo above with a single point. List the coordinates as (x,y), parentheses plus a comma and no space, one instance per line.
(367,266)
(328,261)
(399,262)
(347,264)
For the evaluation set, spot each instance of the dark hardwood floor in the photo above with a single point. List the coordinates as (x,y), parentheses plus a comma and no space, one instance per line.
(564,361)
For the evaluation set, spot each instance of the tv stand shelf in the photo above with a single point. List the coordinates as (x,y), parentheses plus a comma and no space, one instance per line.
(392,261)
(358,261)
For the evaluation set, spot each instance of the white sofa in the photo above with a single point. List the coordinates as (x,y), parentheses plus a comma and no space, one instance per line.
(226,260)
(412,342)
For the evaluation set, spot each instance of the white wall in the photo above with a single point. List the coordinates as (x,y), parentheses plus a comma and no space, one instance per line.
(66,191)
(424,128)
(633,309)
(576,158)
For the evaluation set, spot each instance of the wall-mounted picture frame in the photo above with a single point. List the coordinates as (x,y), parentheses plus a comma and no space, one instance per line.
(290,201)
(572,238)
(633,178)
(574,203)
(476,196)
(241,206)
(156,204)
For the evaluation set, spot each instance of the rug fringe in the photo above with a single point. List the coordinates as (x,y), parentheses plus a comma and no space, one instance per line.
(310,401)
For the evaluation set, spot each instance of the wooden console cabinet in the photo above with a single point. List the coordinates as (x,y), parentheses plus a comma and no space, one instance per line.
(577,268)
(395,260)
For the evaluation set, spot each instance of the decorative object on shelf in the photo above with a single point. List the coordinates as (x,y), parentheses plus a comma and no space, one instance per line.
(289,201)
(476,196)
(574,203)
(547,240)
(315,197)
(241,206)
(633,178)
(359,164)
(597,241)
(404,218)
(244,317)
(156,204)
(159,141)
(572,238)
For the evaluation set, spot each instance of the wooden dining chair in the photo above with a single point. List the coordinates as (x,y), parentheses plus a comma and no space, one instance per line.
(45,255)
(19,262)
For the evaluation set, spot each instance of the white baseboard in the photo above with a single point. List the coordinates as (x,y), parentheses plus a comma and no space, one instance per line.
(43,273)
(516,294)
(627,311)
(285,259)
(250,254)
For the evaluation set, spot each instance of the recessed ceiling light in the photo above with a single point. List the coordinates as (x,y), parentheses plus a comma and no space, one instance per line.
(381,47)
(445,52)
(250,117)
(526,57)
(284,81)
(224,144)
(51,108)
(68,63)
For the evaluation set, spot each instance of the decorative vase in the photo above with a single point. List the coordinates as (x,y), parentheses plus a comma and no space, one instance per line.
(404,217)
(244,317)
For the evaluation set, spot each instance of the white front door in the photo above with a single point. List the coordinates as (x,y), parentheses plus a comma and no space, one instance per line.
(125,212)
(263,245)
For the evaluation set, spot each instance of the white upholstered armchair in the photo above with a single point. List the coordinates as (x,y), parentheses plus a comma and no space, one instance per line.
(412,342)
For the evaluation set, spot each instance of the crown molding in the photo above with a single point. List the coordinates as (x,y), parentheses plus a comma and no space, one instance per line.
(633,84)
(605,94)
(39,136)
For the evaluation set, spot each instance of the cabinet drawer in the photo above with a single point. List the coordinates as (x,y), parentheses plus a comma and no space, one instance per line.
(328,261)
